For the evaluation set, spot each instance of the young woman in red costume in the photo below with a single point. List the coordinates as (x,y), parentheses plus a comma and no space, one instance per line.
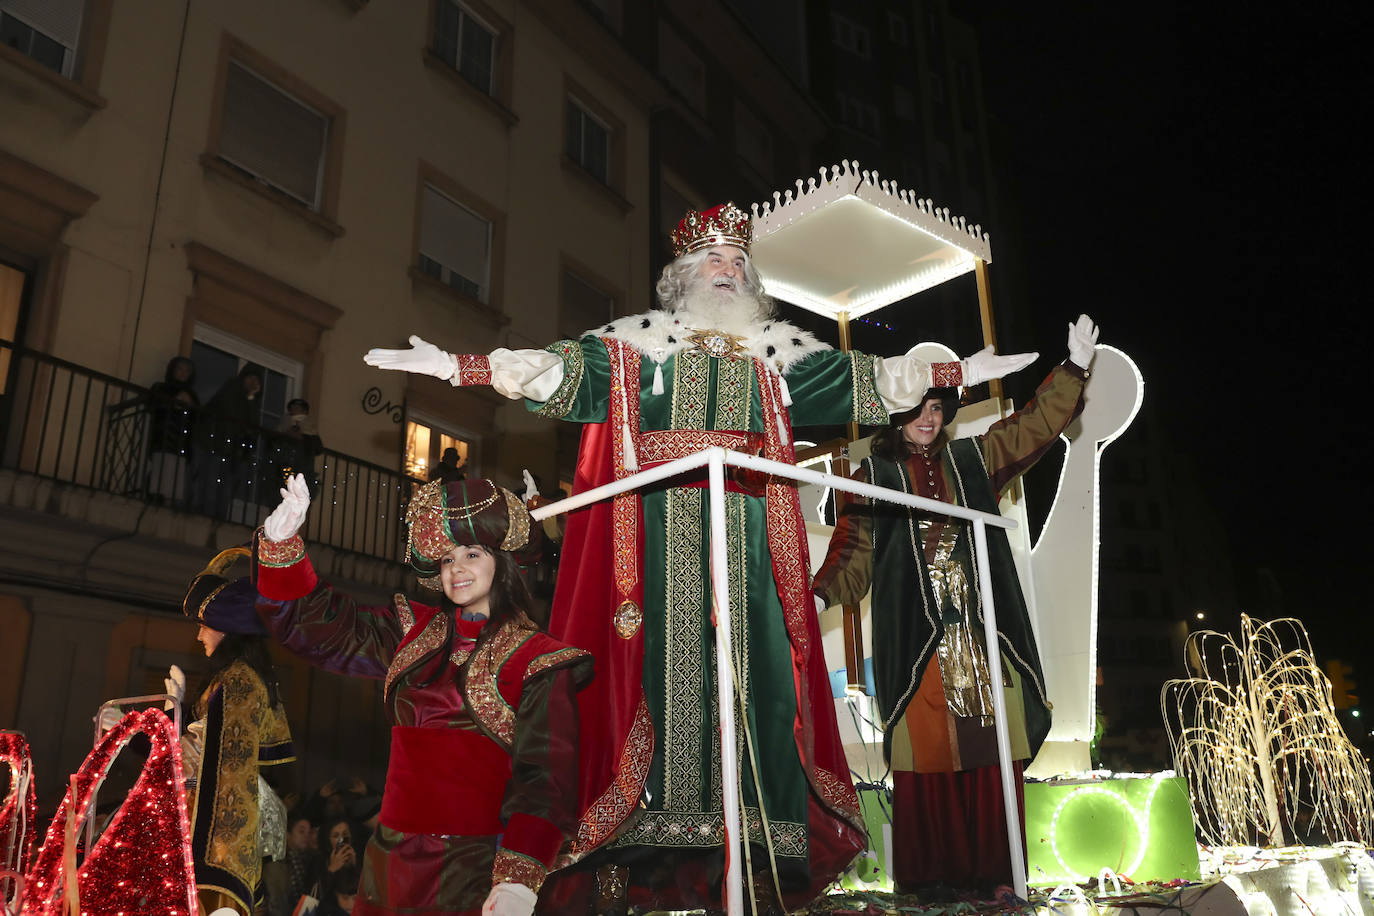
(482,783)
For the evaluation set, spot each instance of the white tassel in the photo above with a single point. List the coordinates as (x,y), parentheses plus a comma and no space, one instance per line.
(782,428)
(786,394)
(628,448)
(658,378)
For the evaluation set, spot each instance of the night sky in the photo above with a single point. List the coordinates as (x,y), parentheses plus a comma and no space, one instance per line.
(1191,176)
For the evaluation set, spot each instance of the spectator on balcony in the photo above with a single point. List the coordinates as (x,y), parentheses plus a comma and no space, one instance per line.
(225,439)
(172,405)
(448,468)
(298,448)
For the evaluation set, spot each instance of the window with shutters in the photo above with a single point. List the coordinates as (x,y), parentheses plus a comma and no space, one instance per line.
(458,243)
(61,42)
(589,140)
(455,244)
(467,43)
(587,302)
(274,133)
(46,30)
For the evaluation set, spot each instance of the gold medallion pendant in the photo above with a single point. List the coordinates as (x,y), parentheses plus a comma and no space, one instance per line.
(717,343)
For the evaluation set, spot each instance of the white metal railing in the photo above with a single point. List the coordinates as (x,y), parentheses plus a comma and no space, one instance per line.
(715,459)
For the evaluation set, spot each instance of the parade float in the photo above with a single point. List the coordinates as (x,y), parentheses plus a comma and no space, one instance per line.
(1256,745)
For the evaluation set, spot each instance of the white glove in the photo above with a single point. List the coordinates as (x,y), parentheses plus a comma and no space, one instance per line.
(109,717)
(1082,341)
(531,488)
(175,685)
(288,517)
(820,602)
(986,365)
(509,900)
(423,358)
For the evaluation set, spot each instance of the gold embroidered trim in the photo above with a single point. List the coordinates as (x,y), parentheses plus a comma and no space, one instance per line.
(483,696)
(564,396)
(604,815)
(671,444)
(517,524)
(200,611)
(687,590)
(869,409)
(516,868)
(707,828)
(430,638)
(280,554)
(471,369)
(786,524)
(404,613)
(838,793)
(946,375)
(625,508)
(554,659)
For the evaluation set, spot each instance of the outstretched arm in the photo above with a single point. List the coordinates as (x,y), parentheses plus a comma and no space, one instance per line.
(533,374)
(903,380)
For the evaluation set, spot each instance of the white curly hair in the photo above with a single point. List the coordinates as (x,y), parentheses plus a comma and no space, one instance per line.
(675,283)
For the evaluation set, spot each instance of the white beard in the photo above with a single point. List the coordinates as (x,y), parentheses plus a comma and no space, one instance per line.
(705,306)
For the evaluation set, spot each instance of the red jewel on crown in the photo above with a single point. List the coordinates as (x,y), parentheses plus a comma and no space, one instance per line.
(722,225)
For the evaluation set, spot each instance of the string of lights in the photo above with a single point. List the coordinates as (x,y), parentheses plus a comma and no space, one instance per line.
(1255,734)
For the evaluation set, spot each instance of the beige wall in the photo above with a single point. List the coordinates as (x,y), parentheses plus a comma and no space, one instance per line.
(397,114)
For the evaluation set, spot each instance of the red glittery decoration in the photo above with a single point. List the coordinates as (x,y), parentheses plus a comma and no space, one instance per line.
(141,864)
(17,816)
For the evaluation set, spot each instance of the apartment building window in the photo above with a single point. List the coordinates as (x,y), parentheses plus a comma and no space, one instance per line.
(220,356)
(753,141)
(903,103)
(14,285)
(586,303)
(427,440)
(467,43)
(47,31)
(455,244)
(857,113)
(607,12)
(272,136)
(274,133)
(849,35)
(898,32)
(681,68)
(589,141)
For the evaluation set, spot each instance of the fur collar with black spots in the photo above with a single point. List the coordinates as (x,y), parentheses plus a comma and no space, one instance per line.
(659,334)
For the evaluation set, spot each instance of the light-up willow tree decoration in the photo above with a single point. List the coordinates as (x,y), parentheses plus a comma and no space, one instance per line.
(1256,736)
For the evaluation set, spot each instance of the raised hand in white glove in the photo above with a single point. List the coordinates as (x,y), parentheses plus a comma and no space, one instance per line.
(531,488)
(423,358)
(1082,341)
(109,717)
(986,365)
(175,685)
(820,602)
(288,517)
(509,900)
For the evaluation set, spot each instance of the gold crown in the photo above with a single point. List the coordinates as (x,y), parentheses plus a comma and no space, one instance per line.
(722,225)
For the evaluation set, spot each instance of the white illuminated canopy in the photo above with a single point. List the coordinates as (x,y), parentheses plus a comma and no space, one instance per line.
(853,243)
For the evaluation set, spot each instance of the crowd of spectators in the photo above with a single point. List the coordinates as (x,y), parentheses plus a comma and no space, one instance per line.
(325,835)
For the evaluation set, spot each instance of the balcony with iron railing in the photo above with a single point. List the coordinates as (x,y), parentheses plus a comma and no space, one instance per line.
(72,427)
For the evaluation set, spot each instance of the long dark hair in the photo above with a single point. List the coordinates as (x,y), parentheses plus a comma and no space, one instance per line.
(253,651)
(889,443)
(508,600)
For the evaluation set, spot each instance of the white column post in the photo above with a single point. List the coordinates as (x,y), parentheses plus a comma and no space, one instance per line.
(725,685)
(999,708)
